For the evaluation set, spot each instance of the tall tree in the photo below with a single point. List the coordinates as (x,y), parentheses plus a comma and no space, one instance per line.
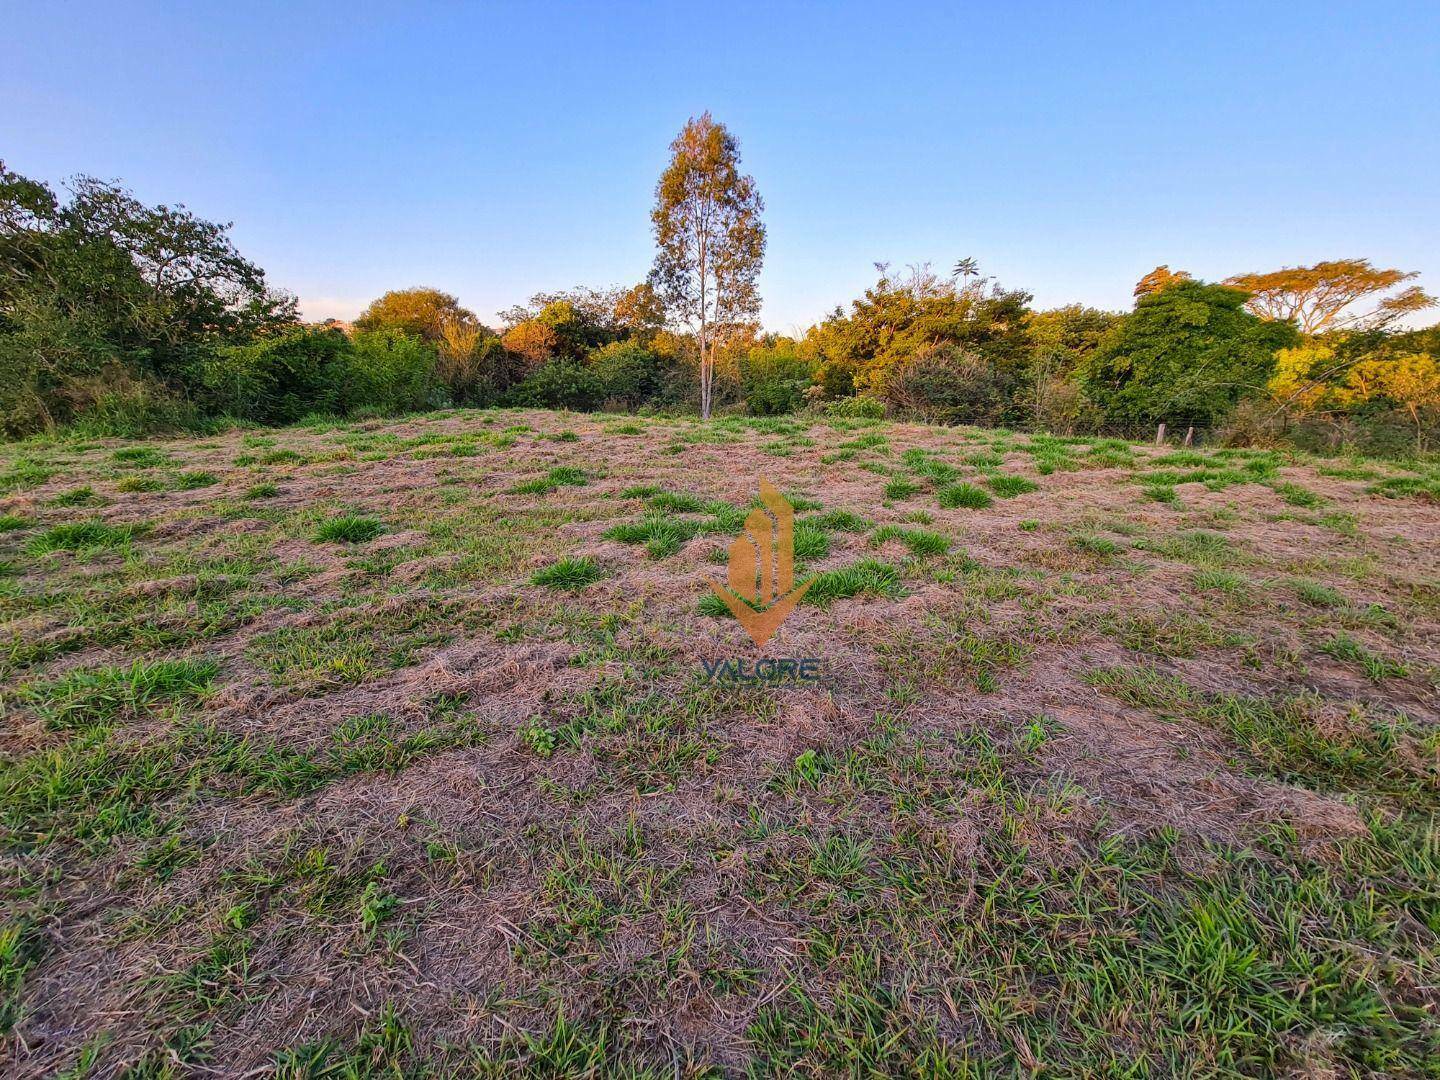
(103,282)
(1321,297)
(709,238)
(1187,352)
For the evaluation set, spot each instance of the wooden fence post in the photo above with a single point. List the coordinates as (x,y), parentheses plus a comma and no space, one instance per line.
(1190,435)
(1160,435)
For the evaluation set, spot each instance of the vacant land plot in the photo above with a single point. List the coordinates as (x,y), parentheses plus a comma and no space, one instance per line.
(380,748)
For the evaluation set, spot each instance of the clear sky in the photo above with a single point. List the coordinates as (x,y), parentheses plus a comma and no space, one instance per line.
(495,150)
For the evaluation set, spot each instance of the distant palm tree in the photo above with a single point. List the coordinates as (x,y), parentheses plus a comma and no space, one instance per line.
(966,268)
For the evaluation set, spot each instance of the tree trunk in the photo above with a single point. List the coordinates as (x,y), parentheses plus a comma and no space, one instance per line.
(706,375)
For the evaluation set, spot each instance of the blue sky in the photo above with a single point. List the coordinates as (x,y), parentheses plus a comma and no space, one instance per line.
(498,150)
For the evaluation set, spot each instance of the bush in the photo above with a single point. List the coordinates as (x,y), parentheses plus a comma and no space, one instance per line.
(277,380)
(559,384)
(858,407)
(390,372)
(473,366)
(947,383)
(1059,406)
(117,405)
(627,373)
(774,378)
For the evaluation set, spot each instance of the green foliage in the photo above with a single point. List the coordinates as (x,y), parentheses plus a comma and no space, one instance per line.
(774,377)
(662,535)
(101,294)
(560,384)
(195,478)
(946,383)
(539,738)
(108,694)
(627,373)
(919,541)
(1007,485)
(1188,351)
(868,577)
(279,379)
(419,312)
(856,407)
(390,372)
(558,477)
(902,487)
(901,317)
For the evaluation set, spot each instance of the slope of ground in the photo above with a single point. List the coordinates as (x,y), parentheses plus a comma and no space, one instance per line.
(387,747)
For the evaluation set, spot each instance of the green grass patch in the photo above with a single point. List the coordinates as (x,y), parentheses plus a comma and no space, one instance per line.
(1007,486)
(348,529)
(868,577)
(662,535)
(963,495)
(919,541)
(569,573)
(556,478)
(82,536)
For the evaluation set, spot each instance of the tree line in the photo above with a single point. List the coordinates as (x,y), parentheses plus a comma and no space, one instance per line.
(125,319)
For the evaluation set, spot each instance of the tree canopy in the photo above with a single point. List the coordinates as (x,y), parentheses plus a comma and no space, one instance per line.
(419,311)
(1323,297)
(104,280)
(1188,351)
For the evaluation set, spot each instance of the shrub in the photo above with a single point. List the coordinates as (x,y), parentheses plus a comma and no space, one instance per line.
(559,384)
(948,383)
(773,379)
(350,529)
(389,372)
(472,363)
(280,379)
(626,373)
(117,405)
(858,407)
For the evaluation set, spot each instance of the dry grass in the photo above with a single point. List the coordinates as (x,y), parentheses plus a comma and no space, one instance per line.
(1125,763)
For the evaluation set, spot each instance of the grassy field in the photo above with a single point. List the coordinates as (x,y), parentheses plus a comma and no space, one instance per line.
(385,749)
